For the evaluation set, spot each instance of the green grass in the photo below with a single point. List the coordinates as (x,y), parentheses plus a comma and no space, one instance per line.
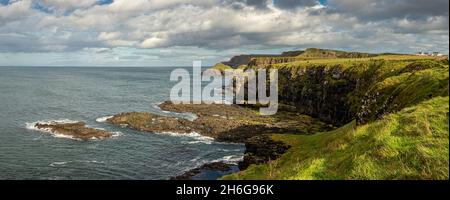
(352,61)
(325,53)
(408,87)
(410,144)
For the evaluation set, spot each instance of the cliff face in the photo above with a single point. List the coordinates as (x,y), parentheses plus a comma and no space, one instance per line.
(365,91)
(258,60)
(320,91)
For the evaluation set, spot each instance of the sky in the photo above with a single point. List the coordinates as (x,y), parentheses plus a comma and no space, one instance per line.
(176,32)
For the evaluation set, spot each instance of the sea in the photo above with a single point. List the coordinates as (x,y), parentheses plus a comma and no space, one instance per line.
(92,94)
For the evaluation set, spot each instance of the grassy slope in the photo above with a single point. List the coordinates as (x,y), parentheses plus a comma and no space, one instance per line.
(410,144)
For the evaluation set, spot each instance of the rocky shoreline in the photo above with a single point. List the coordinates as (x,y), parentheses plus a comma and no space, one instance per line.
(220,167)
(259,149)
(226,123)
(223,123)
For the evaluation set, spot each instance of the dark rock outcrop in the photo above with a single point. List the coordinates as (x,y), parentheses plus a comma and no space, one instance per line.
(215,166)
(76,130)
(262,149)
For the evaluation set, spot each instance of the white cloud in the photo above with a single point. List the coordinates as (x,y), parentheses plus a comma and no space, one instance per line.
(109,35)
(222,25)
(152,42)
(16,10)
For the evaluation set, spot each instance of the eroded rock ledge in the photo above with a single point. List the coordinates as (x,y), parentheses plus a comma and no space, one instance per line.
(225,123)
(77,130)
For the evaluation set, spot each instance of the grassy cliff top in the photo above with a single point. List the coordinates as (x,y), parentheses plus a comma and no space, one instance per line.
(350,61)
(321,56)
(328,53)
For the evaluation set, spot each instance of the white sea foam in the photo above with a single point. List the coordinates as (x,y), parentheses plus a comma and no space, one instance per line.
(188,116)
(198,138)
(54,164)
(32,125)
(57,135)
(232,159)
(209,142)
(195,159)
(230,150)
(198,142)
(103,119)
(156,105)
(116,134)
(113,135)
(91,161)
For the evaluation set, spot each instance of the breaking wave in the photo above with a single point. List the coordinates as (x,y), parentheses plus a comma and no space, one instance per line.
(103,119)
(231,159)
(188,116)
(55,164)
(194,135)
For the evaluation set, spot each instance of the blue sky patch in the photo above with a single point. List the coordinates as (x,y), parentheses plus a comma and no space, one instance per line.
(4,2)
